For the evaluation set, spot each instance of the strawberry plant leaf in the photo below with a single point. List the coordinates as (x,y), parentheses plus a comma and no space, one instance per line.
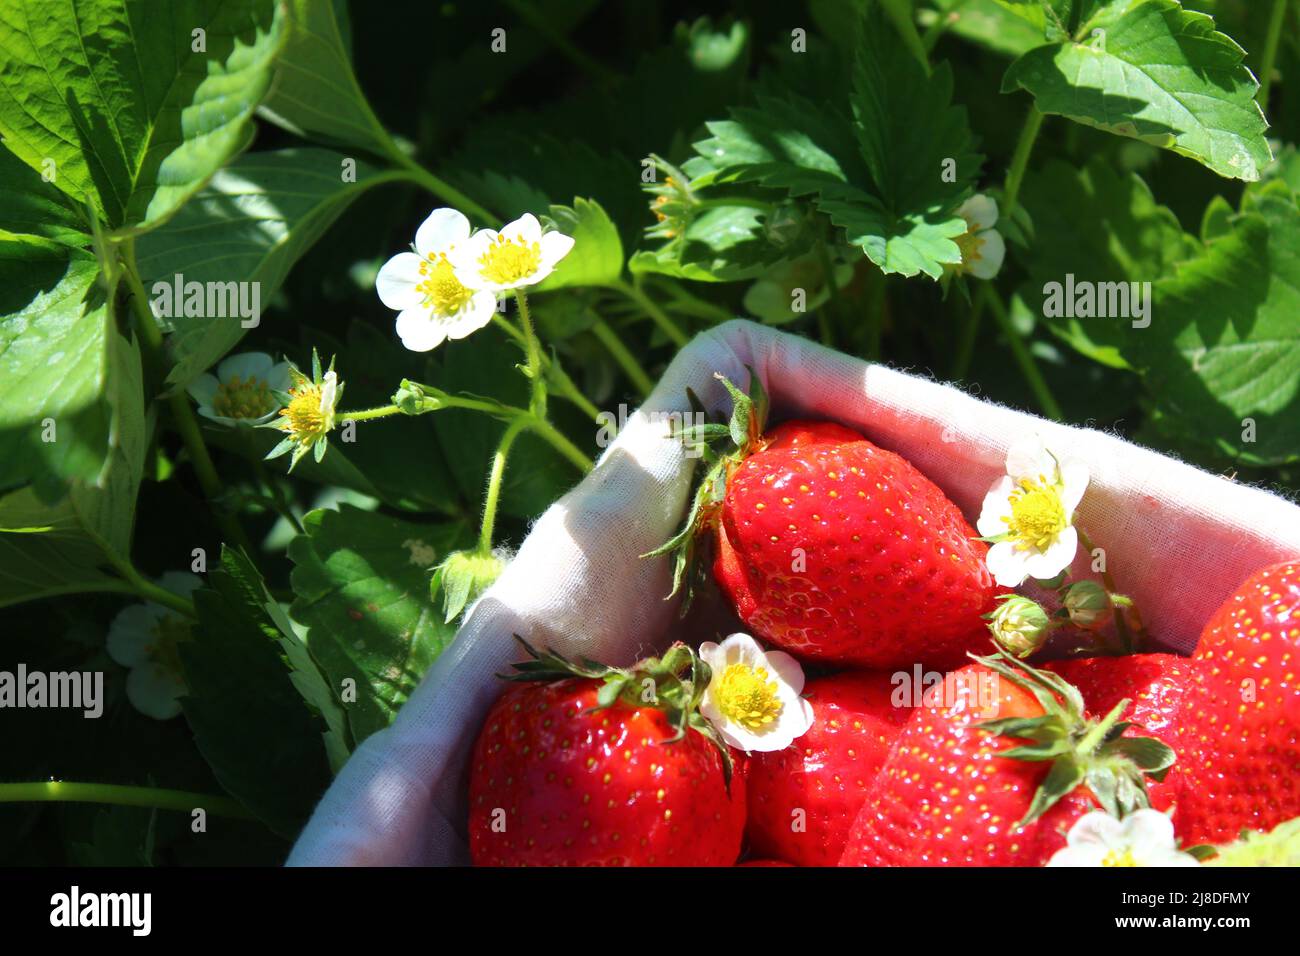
(30,205)
(251,223)
(1097,226)
(1007,28)
(263,742)
(316,94)
(1158,73)
(1221,360)
(135,143)
(362,586)
(597,254)
(70,385)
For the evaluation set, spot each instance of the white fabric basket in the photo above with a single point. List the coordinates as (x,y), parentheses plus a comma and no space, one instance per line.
(1178,540)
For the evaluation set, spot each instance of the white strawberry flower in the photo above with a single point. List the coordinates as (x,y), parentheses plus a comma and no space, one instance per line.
(241,391)
(433,304)
(517,256)
(753,696)
(1143,838)
(982,246)
(1028,514)
(144,638)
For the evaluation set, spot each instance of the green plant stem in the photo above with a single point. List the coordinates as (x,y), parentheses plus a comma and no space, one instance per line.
(448,193)
(691,304)
(900,12)
(368,414)
(1020,351)
(1128,641)
(875,313)
(1269,57)
(146,588)
(534,423)
(58,791)
(943,20)
(623,357)
(564,386)
(493,496)
(831,306)
(966,346)
(179,404)
(277,493)
(537,399)
(652,309)
(1020,161)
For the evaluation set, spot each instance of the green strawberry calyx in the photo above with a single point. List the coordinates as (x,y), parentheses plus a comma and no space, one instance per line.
(674,684)
(722,447)
(1081,751)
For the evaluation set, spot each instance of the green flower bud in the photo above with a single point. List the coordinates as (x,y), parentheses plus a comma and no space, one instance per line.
(462,577)
(1088,605)
(1020,626)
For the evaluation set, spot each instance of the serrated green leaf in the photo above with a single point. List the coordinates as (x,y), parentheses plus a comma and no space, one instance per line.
(1221,360)
(29,204)
(69,382)
(304,672)
(597,254)
(316,94)
(251,725)
(1099,226)
(723,244)
(134,117)
(251,224)
(362,586)
(1001,27)
(1157,73)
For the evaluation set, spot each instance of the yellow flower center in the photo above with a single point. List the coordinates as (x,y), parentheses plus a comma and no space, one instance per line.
(307,418)
(509,260)
(1037,514)
(243,398)
(444,293)
(971,245)
(1119,859)
(748,697)
(170,631)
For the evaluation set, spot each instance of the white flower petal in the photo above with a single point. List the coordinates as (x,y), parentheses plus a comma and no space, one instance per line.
(1028,458)
(277,377)
(418,330)
(246,365)
(131,633)
(465,257)
(980,212)
(555,246)
(526,227)
(1097,828)
(1058,556)
(787,670)
(397,280)
(992,251)
(1087,855)
(181,583)
(203,389)
(154,691)
(1074,479)
(1007,564)
(1149,831)
(475,314)
(997,505)
(443,229)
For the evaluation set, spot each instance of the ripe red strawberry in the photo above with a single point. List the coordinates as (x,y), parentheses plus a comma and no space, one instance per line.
(582,771)
(1241,741)
(1157,686)
(960,790)
(803,799)
(836,550)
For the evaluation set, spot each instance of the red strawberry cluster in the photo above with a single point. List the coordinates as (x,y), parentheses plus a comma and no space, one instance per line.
(844,555)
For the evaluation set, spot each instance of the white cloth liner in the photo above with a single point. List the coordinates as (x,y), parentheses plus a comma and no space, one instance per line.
(1178,540)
